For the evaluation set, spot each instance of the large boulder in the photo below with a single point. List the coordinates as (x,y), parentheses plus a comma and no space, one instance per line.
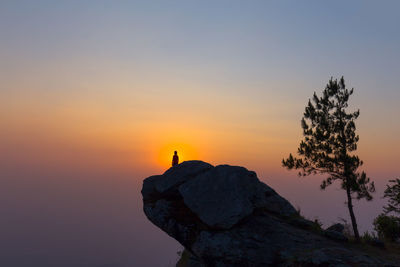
(224,195)
(174,177)
(225,216)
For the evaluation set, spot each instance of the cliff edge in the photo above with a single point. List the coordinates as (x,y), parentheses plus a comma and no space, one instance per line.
(225,216)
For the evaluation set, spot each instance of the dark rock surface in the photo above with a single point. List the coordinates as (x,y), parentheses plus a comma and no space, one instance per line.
(335,232)
(337,227)
(224,216)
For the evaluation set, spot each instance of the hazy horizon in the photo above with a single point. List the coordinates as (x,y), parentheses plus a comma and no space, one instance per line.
(95,97)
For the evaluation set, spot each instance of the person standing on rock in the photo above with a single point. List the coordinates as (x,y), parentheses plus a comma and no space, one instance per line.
(175,159)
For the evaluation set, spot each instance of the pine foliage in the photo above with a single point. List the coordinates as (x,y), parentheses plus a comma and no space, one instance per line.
(392,192)
(330,141)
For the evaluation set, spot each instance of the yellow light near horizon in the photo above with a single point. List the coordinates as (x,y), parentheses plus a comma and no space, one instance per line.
(185,152)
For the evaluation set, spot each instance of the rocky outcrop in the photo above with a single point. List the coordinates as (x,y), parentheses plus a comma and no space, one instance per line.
(224,216)
(335,232)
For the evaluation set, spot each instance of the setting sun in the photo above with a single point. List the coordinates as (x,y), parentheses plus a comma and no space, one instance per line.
(185,152)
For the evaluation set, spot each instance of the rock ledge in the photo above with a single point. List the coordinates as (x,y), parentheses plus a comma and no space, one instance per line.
(225,216)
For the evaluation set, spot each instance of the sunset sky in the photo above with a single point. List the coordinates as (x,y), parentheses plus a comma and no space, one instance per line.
(96,95)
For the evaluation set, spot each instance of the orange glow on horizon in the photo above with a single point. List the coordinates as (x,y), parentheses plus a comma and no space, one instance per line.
(95,134)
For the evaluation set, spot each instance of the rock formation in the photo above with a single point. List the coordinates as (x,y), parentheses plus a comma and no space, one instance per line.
(224,216)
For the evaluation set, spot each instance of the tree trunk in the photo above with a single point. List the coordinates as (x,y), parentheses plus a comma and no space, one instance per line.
(353,218)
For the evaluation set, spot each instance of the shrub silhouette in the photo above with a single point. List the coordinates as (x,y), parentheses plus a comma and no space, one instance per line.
(387,227)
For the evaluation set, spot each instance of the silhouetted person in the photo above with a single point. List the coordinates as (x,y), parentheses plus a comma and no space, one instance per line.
(175,159)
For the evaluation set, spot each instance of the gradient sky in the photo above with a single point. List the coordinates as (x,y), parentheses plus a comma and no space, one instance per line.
(96,95)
